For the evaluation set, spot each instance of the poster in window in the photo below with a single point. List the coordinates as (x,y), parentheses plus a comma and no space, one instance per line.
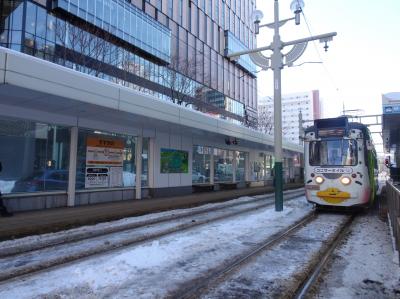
(104,162)
(174,161)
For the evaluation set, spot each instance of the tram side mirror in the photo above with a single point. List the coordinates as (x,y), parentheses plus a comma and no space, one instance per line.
(387,162)
(370,146)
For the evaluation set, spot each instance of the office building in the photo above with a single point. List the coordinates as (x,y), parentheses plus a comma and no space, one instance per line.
(94,93)
(308,103)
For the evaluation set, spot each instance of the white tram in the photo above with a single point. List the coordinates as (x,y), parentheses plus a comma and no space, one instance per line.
(339,163)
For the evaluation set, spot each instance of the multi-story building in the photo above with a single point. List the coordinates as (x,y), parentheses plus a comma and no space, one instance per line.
(306,103)
(94,92)
(173,50)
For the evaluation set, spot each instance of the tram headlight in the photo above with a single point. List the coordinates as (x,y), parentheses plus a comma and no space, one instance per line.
(345,180)
(319,179)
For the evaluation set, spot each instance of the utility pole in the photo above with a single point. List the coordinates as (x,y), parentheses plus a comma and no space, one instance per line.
(276,63)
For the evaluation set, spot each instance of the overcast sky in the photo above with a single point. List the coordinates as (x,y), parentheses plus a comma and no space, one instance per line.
(362,62)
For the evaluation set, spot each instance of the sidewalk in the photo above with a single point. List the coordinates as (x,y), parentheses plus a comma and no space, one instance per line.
(52,220)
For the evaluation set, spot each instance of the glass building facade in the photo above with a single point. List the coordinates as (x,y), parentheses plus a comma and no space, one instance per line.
(232,45)
(173,50)
(122,20)
(34,156)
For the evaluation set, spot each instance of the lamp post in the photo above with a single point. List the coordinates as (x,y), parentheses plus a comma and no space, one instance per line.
(276,62)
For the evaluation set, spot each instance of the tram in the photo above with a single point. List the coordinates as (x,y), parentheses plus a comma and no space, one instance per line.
(340,164)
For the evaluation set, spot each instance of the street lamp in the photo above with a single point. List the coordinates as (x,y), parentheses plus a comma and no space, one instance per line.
(297,7)
(276,62)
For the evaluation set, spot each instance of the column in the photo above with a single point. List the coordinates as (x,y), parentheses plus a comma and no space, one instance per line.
(73,152)
(234,166)
(212,166)
(138,183)
(247,167)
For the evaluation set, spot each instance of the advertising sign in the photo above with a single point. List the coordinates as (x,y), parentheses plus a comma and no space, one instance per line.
(174,161)
(104,162)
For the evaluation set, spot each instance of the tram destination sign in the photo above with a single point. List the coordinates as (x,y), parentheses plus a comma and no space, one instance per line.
(333,170)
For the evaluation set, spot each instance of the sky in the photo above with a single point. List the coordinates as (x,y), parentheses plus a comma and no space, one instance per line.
(362,60)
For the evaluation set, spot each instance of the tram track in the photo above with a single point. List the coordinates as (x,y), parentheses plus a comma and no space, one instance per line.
(310,280)
(216,284)
(74,235)
(26,258)
(195,288)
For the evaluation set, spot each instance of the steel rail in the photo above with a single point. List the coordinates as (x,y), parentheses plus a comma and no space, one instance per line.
(193,290)
(79,236)
(110,246)
(311,278)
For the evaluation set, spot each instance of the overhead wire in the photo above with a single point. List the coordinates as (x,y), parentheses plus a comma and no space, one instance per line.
(331,78)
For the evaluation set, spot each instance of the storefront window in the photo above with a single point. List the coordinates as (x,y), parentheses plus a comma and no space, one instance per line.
(105,160)
(223,165)
(240,166)
(34,156)
(260,167)
(201,164)
(269,165)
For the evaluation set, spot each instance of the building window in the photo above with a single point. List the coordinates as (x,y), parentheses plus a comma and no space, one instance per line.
(34,156)
(240,166)
(223,165)
(136,27)
(201,164)
(171,8)
(105,160)
(180,8)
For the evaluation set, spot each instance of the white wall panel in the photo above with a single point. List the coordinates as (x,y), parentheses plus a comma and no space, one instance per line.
(2,66)
(161,180)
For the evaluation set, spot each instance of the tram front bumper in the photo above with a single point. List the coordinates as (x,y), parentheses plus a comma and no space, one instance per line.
(333,195)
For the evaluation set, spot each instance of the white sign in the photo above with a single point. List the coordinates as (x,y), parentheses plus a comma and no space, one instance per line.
(97,177)
(333,170)
(115,175)
(104,162)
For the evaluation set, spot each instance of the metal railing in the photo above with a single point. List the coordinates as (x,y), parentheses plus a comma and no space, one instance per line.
(393,207)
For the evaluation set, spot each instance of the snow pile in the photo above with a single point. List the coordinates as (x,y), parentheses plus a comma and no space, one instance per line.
(365,266)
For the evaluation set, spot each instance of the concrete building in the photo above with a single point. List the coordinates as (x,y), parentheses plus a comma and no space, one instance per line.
(308,103)
(94,93)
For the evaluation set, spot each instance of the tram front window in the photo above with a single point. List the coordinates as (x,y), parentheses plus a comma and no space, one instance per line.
(337,152)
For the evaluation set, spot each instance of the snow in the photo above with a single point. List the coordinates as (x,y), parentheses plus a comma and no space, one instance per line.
(365,266)
(6,186)
(277,272)
(154,268)
(90,230)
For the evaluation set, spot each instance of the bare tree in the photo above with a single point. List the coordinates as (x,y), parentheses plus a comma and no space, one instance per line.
(176,77)
(90,51)
(265,121)
(86,50)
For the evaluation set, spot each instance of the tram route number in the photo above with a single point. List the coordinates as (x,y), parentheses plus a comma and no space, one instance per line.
(333,170)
